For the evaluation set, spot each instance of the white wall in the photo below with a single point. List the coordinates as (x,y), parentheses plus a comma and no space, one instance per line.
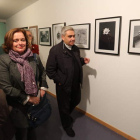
(111,88)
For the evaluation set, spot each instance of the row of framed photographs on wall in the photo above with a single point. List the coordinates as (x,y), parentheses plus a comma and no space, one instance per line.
(108,32)
(107,35)
(44,35)
(82,34)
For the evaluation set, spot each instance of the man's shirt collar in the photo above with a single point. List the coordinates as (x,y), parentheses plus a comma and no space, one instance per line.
(69,47)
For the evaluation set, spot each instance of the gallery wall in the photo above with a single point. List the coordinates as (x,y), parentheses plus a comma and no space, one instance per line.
(111,90)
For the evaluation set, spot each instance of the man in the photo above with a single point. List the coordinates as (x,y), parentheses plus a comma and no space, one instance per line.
(64,66)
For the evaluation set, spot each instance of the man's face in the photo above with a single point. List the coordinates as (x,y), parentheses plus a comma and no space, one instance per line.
(69,38)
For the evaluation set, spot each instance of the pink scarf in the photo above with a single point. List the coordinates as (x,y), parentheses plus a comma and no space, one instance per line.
(26,71)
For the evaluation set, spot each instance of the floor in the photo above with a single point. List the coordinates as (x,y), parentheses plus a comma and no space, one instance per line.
(85,128)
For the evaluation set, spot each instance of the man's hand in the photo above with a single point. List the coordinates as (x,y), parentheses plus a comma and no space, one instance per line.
(86,60)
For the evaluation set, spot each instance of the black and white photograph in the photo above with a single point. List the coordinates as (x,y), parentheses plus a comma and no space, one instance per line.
(107,35)
(45,36)
(34,30)
(56,31)
(82,35)
(134,36)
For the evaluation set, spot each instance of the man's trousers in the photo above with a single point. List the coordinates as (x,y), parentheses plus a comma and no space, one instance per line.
(67,100)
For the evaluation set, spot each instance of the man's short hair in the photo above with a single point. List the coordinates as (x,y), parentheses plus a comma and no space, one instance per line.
(66,28)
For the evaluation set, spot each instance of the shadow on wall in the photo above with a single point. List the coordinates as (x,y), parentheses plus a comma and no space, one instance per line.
(87,71)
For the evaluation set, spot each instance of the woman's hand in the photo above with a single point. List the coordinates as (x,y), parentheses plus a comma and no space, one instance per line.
(34,100)
(42,92)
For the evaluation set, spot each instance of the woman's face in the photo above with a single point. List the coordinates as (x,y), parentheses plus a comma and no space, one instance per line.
(29,34)
(19,42)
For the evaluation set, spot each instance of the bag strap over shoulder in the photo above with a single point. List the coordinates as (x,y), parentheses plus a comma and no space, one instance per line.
(35,58)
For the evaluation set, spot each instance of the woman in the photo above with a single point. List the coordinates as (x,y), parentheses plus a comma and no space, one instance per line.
(18,75)
(34,47)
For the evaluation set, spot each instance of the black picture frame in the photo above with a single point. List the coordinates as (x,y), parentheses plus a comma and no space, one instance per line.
(107,35)
(56,32)
(82,35)
(134,37)
(45,36)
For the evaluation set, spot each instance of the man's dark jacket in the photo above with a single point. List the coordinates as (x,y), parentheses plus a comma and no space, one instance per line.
(60,66)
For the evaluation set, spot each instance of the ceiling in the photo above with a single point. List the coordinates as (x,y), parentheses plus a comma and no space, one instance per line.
(10,7)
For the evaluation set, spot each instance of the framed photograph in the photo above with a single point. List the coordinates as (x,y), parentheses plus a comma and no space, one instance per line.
(34,30)
(82,35)
(134,37)
(45,36)
(56,31)
(107,35)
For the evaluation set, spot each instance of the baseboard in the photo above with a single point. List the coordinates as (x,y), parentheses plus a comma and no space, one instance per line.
(102,122)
